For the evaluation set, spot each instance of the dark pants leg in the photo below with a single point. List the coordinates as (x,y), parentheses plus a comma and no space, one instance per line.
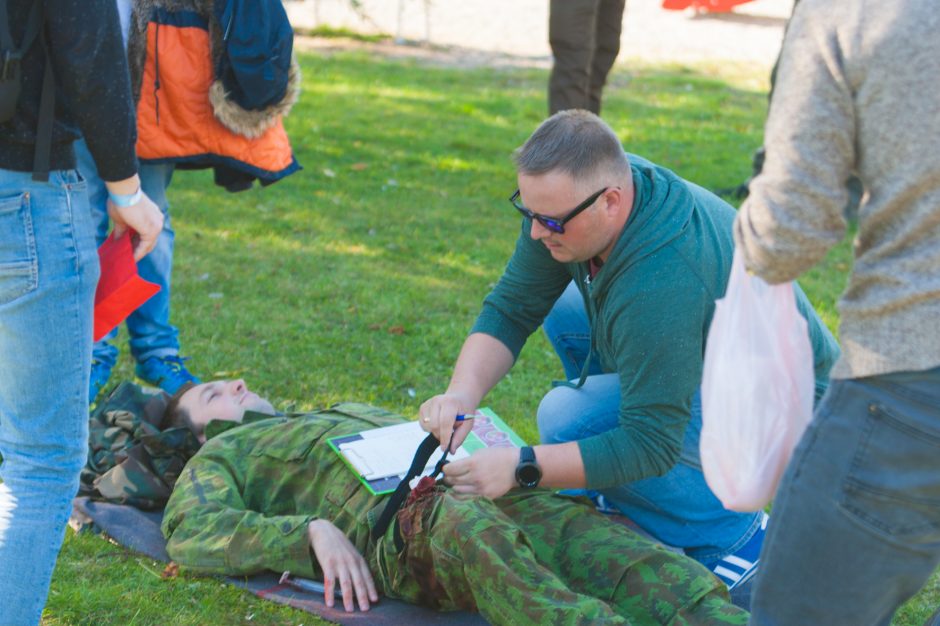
(856,527)
(571,34)
(607,28)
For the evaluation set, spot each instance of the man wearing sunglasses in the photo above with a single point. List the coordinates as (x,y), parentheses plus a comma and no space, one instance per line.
(621,262)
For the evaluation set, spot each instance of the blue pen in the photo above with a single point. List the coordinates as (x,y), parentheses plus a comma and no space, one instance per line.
(461,417)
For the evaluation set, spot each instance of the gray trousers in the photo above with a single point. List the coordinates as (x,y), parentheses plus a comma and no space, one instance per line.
(855,530)
(585,40)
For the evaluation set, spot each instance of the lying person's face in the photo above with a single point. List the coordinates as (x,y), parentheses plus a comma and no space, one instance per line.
(225,400)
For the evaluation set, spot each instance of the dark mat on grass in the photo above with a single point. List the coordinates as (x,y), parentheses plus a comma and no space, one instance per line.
(140,531)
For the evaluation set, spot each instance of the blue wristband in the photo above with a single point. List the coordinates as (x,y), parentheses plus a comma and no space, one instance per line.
(126,199)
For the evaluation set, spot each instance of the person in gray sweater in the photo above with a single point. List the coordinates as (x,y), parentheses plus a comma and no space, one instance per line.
(857,515)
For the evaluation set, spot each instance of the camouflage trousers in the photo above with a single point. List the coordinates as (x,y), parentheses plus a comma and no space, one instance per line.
(540,558)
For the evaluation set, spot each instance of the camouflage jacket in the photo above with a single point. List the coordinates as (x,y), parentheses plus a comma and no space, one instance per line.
(130,460)
(243,503)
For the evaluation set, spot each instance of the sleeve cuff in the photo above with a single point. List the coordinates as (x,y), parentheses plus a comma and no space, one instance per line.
(288,545)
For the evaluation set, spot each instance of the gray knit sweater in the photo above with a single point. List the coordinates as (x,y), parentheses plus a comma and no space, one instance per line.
(858,90)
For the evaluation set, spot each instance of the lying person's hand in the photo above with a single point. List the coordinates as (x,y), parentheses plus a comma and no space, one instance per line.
(339,560)
(439,414)
(490,472)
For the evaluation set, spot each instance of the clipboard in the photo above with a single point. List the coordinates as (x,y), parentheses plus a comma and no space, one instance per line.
(380,457)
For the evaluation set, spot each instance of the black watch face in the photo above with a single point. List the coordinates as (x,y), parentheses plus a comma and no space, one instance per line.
(528,475)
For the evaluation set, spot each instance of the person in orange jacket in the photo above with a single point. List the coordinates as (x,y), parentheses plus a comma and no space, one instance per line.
(203,100)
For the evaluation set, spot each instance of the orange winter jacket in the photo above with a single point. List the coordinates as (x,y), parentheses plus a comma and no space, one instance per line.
(183,115)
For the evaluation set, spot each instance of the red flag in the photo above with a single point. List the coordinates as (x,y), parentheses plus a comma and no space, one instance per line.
(120,289)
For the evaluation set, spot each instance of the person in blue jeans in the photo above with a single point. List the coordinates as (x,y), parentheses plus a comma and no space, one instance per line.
(154,341)
(857,512)
(48,274)
(678,508)
(621,260)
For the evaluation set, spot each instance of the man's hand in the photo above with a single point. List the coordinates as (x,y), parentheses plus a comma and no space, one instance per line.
(339,560)
(490,472)
(439,414)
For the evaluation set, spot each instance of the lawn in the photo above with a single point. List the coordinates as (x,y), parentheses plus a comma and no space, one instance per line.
(358,278)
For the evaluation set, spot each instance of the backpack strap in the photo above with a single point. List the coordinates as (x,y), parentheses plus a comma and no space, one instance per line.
(12,54)
(45,123)
(46,114)
(10,70)
(11,58)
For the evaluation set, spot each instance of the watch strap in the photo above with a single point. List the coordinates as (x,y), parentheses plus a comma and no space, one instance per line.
(526,454)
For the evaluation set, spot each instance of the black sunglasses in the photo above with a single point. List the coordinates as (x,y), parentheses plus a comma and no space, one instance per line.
(555,224)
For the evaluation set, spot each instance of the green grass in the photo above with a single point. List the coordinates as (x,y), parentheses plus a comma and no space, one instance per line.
(358,278)
(333,32)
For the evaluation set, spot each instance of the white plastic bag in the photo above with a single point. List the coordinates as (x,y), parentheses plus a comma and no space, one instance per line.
(757,389)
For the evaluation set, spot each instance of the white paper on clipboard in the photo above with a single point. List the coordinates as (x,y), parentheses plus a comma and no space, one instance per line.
(389,451)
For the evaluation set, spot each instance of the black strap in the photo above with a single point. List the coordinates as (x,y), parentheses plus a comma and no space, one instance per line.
(420,461)
(156,72)
(6,40)
(9,68)
(46,121)
(12,53)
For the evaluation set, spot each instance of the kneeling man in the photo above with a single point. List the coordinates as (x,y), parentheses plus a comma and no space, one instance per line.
(621,262)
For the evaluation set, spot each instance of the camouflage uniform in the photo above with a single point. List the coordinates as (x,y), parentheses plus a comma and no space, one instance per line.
(244,501)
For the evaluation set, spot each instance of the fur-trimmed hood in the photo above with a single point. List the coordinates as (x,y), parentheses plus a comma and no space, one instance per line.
(249,123)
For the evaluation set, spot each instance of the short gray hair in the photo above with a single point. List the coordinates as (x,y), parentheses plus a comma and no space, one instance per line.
(575,142)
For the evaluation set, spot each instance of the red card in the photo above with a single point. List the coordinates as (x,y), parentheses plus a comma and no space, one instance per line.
(120,289)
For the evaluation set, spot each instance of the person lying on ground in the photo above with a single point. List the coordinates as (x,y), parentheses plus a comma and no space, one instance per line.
(266,492)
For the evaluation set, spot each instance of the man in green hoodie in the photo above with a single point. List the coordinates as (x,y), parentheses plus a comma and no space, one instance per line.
(621,261)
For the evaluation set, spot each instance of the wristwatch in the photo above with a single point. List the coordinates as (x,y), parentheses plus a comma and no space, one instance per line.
(528,472)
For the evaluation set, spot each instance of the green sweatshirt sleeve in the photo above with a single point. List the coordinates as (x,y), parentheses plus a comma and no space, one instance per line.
(525,293)
(209,528)
(655,337)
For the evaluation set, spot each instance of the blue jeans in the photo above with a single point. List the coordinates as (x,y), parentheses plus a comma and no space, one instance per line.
(48,274)
(856,527)
(677,508)
(151,334)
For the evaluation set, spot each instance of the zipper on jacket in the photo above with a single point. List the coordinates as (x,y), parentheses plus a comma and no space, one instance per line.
(156,73)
